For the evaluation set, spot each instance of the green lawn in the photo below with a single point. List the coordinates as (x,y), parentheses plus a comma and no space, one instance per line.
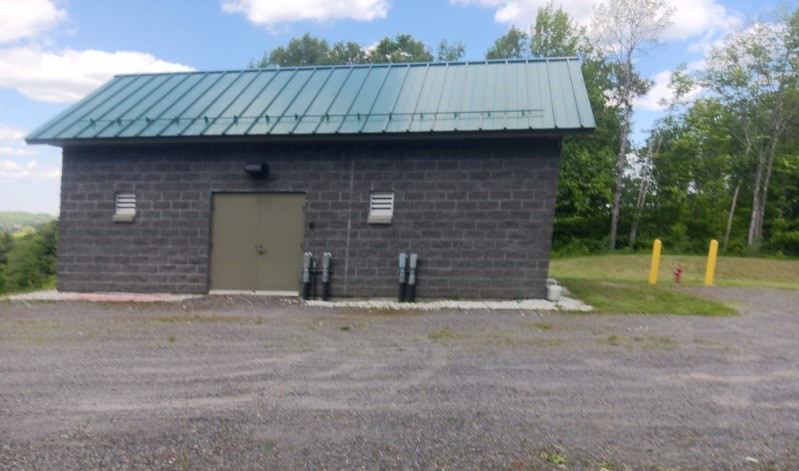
(730,271)
(619,297)
(618,283)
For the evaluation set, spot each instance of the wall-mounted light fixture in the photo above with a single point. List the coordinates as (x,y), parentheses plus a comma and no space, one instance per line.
(257,170)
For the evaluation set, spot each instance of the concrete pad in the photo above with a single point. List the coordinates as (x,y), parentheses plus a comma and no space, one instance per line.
(565,304)
(53,295)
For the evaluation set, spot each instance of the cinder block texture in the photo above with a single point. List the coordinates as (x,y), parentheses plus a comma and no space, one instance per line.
(477,212)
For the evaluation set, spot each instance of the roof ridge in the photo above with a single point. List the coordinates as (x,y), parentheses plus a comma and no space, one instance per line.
(353,66)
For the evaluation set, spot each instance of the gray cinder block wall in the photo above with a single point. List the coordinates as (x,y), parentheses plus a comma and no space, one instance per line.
(478,212)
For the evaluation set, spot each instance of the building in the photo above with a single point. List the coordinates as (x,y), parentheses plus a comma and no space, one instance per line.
(190,182)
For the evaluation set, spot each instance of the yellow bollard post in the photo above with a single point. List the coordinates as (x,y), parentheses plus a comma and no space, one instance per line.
(711,262)
(653,269)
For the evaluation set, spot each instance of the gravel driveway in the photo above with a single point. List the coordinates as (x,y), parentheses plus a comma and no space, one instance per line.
(252,383)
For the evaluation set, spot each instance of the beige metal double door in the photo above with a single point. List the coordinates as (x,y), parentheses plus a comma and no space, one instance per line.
(256,241)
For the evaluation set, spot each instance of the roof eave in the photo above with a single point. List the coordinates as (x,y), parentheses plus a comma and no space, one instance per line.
(508,134)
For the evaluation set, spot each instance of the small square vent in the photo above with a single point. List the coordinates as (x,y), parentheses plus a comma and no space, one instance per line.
(124,207)
(381,208)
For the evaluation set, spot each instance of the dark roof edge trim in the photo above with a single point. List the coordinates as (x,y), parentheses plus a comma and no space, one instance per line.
(510,134)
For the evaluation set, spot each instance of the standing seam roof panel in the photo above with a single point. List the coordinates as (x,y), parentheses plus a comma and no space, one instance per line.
(538,90)
(68,129)
(343,101)
(105,107)
(134,124)
(383,108)
(222,119)
(125,110)
(217,105)
(243,103)
(302,102)
(364,101)
(289,94)
(53,127)
(528,95)
(429,100)
(153,120)
(180,108)
(581,100)
(196,111)
(565,117)
(407,99)
(452,95)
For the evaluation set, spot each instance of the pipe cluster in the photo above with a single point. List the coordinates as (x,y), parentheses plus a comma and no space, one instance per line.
(310,272)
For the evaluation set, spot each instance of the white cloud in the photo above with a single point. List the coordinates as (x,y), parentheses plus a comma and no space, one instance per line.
(660,91)
(661,94)
(12,170)
(705,18)
(35,164)
(12,142)
(522,12)
(270,13)
(26,18)
(10,134)
(69,75)
(691,18)
(20,162)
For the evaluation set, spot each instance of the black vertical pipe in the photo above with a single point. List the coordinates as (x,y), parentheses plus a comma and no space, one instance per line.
(307,260)
(403,260)
(412,278)
(326,270)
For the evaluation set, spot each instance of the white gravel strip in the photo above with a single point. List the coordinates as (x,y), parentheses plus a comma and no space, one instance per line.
(565,304)
(53,295)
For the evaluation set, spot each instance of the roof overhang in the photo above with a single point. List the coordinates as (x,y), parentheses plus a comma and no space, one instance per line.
(321,138)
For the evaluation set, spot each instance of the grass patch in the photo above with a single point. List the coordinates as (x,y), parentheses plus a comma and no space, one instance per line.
(543,326)
(630,298)
(171,339)
(443,334)
(557,458)
(639,342)
(189,319)
(730,271)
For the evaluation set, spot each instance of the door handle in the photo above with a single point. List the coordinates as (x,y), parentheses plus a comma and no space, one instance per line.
(260,248)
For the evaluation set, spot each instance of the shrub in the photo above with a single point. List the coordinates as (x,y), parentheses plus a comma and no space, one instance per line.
(32,260)
(786,242)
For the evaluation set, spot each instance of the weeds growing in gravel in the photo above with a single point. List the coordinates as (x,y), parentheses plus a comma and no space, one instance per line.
(196,318)
(443,334)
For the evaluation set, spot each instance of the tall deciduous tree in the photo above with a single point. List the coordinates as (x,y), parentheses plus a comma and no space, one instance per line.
(310,50)
(450,52)
(306,50)
(555,35)
(625,30)
(512,45)
(403,48)
(587,161)
(754,73)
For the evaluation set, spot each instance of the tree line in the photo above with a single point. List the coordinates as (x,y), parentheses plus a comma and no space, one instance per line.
(28,258)
(722,163)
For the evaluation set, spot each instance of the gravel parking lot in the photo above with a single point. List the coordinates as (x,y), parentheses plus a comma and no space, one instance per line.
(242,383)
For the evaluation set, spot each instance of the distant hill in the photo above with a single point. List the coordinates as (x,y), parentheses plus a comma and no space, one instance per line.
(15,221)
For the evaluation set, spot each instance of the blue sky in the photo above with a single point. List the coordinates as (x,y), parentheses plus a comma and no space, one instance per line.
(52,52)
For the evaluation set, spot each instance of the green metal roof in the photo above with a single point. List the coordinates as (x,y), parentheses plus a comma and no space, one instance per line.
(510,95)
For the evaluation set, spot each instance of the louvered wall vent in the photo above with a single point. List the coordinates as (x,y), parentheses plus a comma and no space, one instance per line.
(381,208)
(124,207)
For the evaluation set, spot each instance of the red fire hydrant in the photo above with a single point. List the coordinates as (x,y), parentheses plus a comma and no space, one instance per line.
(678,275)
